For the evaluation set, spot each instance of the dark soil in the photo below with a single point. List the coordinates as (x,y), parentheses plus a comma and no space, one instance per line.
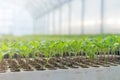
(3,66)
(18,64)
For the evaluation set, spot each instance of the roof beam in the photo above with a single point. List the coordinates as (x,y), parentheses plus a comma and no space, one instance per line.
(53,8)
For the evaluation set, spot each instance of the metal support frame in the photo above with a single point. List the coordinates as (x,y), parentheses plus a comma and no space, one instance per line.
(34,26)
(69,17)
(44,23)
(48,23)
(48,10)
(53,22)
(12,27)
(53,8)
(41,25)
(60,19)
(102,17)
(82,15)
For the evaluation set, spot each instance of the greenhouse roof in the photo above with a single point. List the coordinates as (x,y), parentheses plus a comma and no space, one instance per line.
(38,8)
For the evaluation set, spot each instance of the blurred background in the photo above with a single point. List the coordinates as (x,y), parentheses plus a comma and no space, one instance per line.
(59,17)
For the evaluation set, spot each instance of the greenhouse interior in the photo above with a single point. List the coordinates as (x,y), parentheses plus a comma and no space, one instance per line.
(59,39)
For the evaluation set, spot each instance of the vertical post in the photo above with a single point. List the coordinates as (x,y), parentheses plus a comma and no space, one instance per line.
(82,15)
(34,27)
(45,22)
(39,32)
(12,28)
(41,21)
(60,20)
(53,23)
(48,24)
(69,16)
(102,17)
(42,25)
(42,29)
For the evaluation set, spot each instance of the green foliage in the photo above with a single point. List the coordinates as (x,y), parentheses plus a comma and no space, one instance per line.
(1,56)
(49,48)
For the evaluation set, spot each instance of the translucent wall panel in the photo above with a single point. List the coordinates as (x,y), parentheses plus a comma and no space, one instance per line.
(6,18)
(112,16)
(92,19)
(54,22)
(64,27)
(76,17)
(51,23)
(38,26)
(22,23)
(43,26)
(56,14)
(92,16)
(14,19)
(47,24)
